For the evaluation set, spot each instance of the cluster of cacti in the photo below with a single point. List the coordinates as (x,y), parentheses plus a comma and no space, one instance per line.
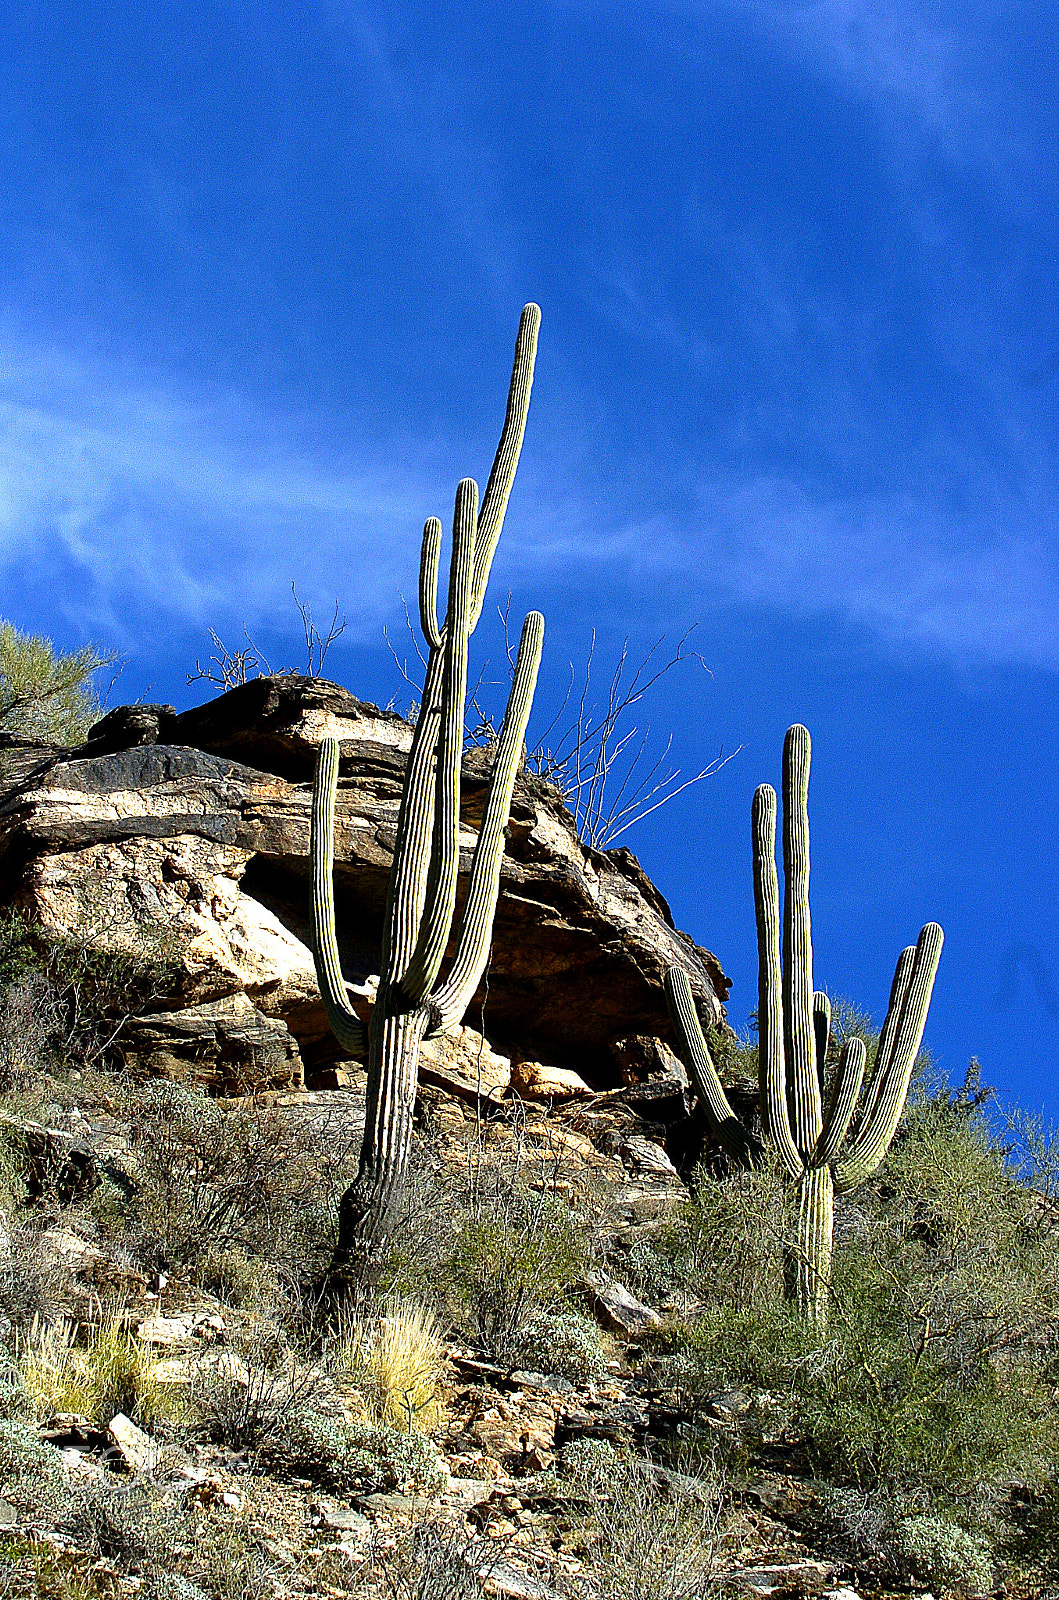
(411,1003)
(831,1142)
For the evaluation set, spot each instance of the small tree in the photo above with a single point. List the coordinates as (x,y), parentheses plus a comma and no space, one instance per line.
(44,695)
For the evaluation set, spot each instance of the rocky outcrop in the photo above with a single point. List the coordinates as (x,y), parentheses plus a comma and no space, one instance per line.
(190,833)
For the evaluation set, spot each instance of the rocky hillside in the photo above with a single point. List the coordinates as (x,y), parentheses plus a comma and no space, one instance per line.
(576,1379)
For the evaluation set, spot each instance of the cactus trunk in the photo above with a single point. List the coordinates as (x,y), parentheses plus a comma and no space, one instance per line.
(809,1259)
(806,1119)
(418,921)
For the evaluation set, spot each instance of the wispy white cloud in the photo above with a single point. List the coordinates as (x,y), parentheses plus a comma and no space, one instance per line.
(926,65)
(973,591)
(200,508)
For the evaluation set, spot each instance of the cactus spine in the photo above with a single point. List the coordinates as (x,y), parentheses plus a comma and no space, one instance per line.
(411,1003)
(810,1134)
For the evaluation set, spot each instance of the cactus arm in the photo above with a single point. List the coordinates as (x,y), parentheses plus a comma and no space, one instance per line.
(502,475)
(841,1101)
(476,925)
(877,1129)
(772,1070)
(884,1049)
(440,899)
(345,1024)
(803,1083)
(723,1122)
(428,582)
(821,1032)
(411,855)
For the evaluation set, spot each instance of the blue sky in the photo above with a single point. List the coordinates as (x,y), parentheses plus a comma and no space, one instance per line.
(260,272)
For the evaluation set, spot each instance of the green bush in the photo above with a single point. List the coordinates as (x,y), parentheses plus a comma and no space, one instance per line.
(352,1458)
(941,1552)
(934,1384)
(724,1246)
(561,1341)
(31,1473)
(512,1262)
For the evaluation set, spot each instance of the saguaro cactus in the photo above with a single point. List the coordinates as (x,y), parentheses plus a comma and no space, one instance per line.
(411,1003)
(826,1145)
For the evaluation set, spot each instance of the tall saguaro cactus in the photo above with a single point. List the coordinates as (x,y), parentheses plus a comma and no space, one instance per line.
(411,1002)
(826,1145)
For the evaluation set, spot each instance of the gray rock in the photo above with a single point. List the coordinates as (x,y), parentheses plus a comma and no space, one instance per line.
(346,1521)
(616,1307)
(243,1049)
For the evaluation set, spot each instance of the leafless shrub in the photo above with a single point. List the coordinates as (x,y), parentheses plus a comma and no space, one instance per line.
(228,669)
(431,1562)
(219,1176)
(652,1542)
(602,766)
(251,1386)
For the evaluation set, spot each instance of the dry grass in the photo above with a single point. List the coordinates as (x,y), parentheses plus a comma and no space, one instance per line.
(110,1371)
(393,1362)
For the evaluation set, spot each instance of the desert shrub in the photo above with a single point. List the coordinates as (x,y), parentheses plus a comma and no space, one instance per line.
(243,1391)
(44,695)
(563,1341)
(130,1522)
(33,1568)
(512,1261)
(723,1247)
(31,1473)
(591,1462)
(646,1543)
(933,1384)
(433,1561)
(941,1552)
(221,1176)
(394,1361)
(110,1371)
(66,997)
(180,1548)
(351,1457)
(32,1285)
(243,1281)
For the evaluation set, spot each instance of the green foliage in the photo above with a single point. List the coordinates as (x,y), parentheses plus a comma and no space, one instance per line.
(561,1341)
(941,1552)
(723,1246)
(109,1371)
(934,1385)
(44,695)
(30,1569)
(31,1473)
(352,1458)
(514,1259)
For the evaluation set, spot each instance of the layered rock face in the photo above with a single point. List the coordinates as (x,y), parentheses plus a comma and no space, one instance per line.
(189,834)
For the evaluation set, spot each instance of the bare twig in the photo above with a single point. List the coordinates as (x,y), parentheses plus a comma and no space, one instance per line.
(596,762)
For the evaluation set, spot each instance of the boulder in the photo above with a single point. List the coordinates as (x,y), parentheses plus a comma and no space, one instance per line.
(137,1449)
(227,1043)
(617,1308)
(533,1080)
(197,847)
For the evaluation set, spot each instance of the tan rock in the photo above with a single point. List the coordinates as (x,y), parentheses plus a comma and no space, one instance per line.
(533,1080)
(136,1448)
(466,1056)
